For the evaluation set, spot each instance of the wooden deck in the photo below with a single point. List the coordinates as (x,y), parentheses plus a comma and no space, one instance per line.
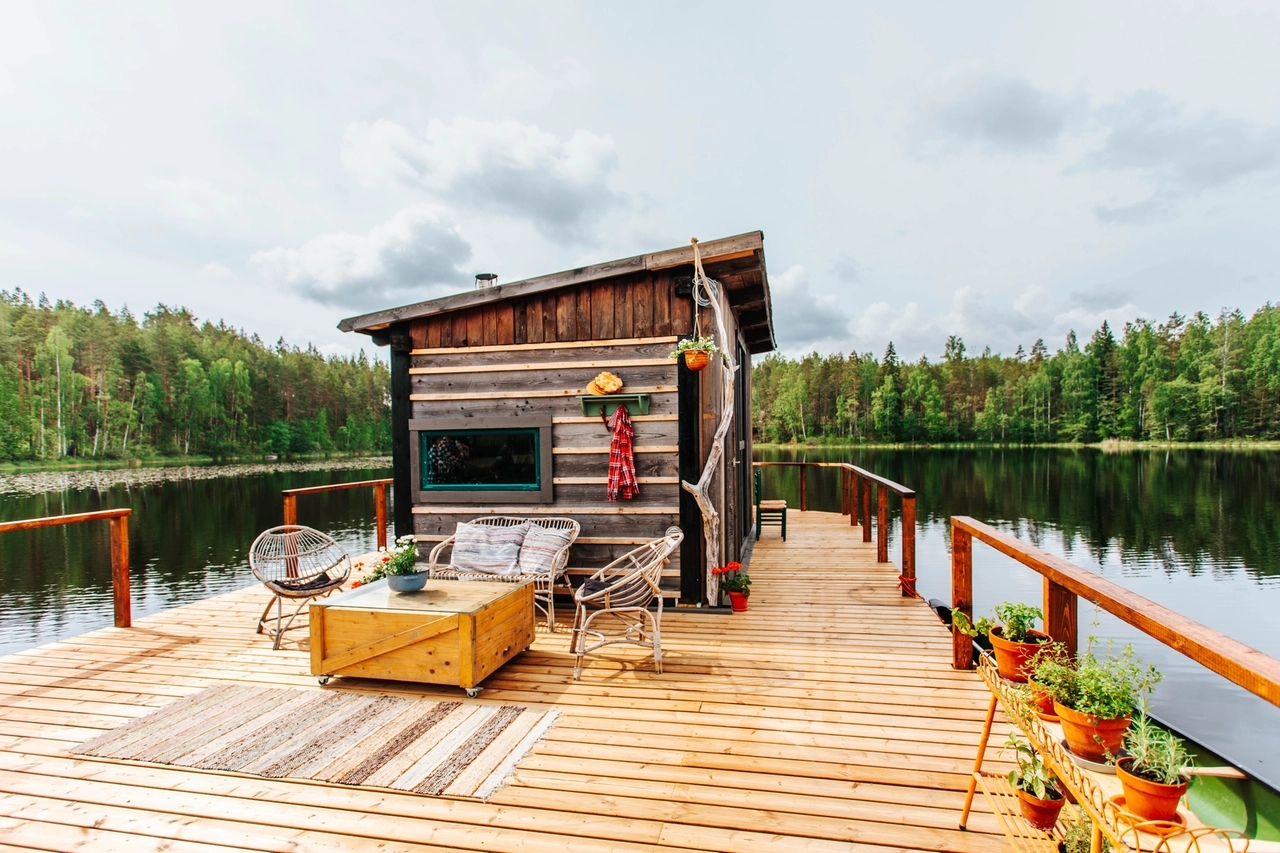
(826,719)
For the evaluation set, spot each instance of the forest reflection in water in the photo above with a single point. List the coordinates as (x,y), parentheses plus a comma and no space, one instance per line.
(189,538)
(1195,530)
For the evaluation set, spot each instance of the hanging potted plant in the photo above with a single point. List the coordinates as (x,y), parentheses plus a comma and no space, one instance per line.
(1012,637)
(1039,793)
(736,582)
(400,567)
(1094,697)
(1154,773)
(697,352)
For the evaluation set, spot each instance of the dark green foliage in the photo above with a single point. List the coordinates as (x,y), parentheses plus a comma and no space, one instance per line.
(83,382)
(1181,380)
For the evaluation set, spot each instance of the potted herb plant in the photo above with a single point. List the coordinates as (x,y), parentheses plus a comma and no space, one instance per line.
(1154,774)
(697,352)
(1078,836)
(1012,636)
(400,567)
(1094,697)
(1039,792)
(736,582)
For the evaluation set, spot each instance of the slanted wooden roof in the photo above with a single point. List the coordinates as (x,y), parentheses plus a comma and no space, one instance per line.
(736,262)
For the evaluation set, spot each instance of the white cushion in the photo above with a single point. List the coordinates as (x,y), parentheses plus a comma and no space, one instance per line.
(539,549)
(488,549)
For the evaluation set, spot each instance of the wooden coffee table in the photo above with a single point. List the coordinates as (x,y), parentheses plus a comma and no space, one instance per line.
(451,632)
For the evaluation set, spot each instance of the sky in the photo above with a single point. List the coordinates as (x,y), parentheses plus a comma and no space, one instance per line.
(998,171)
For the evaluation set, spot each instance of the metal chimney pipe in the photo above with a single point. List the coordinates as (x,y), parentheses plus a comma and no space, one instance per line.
(485,279)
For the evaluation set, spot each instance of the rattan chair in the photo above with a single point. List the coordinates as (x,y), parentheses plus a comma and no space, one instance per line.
(624,589)
(299,564)
(544,583)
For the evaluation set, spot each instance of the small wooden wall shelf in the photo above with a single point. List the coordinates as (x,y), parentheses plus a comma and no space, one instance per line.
(607,404)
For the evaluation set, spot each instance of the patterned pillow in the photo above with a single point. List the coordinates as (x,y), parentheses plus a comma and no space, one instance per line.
(540,548)
(488,549)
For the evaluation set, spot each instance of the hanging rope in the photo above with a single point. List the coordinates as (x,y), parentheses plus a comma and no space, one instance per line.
(710,297)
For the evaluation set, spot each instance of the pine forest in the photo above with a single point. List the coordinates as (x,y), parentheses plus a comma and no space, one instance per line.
(87,383)
(1186,379)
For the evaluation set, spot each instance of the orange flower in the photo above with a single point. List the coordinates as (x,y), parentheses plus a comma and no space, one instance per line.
(356,584)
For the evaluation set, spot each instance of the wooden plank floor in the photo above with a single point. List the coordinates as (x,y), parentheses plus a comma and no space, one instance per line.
(825,719)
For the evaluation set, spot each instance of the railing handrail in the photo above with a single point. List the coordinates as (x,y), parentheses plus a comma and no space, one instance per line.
(333,487)
(1251,669)
(56,520)
(119,518)
(897,488)
(379,502)
(855,494)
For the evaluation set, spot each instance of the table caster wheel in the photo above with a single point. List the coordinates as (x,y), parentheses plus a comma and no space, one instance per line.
(323,680)
(473,692)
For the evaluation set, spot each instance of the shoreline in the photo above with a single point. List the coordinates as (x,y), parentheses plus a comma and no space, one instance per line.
(1110,446)
(193,461)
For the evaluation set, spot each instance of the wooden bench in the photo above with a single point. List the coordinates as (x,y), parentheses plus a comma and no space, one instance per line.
(769,512)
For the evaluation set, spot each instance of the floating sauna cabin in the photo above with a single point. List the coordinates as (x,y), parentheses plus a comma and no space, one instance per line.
(497,375)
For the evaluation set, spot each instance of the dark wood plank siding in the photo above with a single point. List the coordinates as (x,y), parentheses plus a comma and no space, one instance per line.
(631,306)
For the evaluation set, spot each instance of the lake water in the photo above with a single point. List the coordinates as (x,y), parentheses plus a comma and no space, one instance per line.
(189,537)
(1197,531)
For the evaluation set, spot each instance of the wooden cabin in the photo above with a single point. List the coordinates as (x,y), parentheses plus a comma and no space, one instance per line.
(502,369)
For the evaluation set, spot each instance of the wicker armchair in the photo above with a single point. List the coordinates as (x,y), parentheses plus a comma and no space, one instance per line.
(543,583)
(624,589)
(299,564)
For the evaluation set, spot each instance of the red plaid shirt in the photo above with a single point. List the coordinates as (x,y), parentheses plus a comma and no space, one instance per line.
(622,461)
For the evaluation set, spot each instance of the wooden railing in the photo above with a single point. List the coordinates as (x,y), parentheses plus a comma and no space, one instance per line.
(379,502)
(1065,582)
(119,521)
(855,502)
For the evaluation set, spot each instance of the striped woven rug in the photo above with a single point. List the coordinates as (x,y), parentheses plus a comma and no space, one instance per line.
(447,749)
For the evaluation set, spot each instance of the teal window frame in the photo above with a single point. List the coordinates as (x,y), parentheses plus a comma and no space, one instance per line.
(491,494)
(427,434)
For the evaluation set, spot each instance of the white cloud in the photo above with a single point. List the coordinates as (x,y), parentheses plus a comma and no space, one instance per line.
(194,200)
(560,186)
(215,271)
(999,113)
(413,255)
(802,319)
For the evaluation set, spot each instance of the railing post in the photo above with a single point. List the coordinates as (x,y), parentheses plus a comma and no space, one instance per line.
(804,488)
(866,509)
(380,512)
(1060,615)
(882,524)
(908,546)
(961,595)
(854,512)
(290,509)
(120,571)
(844,492)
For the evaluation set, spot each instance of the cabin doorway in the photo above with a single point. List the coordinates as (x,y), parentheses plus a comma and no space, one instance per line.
(741,455)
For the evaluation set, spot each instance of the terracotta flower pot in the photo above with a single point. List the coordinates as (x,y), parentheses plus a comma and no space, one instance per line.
(1089,737)
(696,359)
(1146,799)
(1041,701)
(1011,658)
(1040,814)
(739,601)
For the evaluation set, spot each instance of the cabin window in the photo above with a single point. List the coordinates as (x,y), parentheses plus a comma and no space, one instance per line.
(478,460)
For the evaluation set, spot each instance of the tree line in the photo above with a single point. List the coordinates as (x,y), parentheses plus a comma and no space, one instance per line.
(88,383)
(1186,379)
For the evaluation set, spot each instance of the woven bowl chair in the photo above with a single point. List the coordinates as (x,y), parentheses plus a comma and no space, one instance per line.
(624,589)
(543,584)
(299,564)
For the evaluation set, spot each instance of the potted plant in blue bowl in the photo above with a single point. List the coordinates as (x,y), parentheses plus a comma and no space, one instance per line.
(400,567)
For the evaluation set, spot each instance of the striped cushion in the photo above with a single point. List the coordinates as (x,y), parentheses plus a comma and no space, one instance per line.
(540,547)
(488,549)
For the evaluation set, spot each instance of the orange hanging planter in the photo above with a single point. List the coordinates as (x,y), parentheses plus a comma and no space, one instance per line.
(696,359)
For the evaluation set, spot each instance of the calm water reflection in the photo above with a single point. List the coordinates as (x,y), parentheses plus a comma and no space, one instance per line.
(188,540)
(1194,530)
